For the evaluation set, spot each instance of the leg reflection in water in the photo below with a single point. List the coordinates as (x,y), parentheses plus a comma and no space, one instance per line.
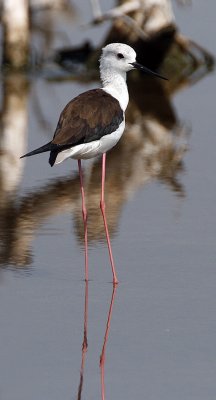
(85,343)
(102,357)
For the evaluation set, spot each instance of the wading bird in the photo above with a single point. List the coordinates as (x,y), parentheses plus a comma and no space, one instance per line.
(93,122)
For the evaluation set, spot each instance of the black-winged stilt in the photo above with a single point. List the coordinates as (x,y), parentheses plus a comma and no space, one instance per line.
(93,122)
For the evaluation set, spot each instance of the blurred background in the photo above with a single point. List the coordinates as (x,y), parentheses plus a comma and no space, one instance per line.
(158,327)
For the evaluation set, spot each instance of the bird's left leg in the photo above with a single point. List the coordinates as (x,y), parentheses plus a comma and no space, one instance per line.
(85,216)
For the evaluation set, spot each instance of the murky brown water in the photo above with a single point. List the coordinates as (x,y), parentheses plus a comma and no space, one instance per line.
(160,193)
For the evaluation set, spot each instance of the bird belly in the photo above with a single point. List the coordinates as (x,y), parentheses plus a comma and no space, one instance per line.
(109,141)
(92,149)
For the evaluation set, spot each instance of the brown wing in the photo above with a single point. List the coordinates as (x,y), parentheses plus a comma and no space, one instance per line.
(88,117)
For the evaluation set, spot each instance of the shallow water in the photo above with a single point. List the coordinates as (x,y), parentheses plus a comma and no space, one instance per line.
(162,221)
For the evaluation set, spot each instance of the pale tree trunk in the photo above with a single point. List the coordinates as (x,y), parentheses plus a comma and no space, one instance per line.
(15,17)
(13,133)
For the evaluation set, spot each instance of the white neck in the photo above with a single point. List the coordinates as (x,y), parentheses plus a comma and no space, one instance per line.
(114,83)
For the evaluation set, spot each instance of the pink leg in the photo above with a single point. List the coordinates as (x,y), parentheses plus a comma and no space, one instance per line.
(102,206)
(84,213)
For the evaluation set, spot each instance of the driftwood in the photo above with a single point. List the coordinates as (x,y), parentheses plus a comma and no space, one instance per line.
(149,27)
(144,17)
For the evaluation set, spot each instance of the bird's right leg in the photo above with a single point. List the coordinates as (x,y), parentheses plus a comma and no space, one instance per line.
(84,214)
(102,206)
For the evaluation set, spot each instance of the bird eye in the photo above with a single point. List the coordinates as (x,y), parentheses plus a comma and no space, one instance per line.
(120,55)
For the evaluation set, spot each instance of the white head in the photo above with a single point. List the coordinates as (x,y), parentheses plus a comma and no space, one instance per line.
(116,60)
(117,57)
(121,58)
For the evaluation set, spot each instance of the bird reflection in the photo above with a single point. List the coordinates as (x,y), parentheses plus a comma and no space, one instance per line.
(85,342)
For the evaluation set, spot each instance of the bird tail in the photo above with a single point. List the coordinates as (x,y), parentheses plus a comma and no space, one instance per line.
(42,149)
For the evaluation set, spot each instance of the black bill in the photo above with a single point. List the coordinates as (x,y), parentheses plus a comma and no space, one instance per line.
(147,71)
